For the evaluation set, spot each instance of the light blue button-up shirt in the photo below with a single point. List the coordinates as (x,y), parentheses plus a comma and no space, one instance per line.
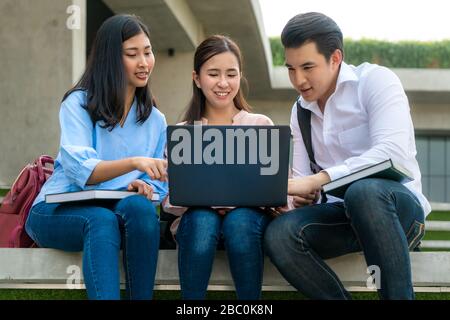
(84,145)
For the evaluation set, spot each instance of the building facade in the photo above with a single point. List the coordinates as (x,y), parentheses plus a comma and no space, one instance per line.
(44,46)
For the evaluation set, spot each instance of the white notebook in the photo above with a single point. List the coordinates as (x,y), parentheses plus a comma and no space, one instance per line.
(91,195)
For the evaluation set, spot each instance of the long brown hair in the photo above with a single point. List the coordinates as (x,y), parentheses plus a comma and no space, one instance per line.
(210,47)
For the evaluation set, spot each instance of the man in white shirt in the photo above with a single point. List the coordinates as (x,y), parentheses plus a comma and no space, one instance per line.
(359,116)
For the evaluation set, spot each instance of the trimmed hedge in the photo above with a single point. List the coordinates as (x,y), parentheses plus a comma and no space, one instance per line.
(403,54)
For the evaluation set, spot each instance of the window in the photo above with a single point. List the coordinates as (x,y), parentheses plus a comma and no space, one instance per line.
(433,155)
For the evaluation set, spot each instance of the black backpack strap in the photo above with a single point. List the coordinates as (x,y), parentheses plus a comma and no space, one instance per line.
(304,122)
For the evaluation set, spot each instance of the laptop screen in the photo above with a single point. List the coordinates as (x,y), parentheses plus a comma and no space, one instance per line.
(228,165)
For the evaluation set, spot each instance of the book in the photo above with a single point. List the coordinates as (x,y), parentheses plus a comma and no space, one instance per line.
(386,170)
(91,195)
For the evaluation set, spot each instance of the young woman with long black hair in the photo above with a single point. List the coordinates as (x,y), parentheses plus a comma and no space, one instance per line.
(112,137)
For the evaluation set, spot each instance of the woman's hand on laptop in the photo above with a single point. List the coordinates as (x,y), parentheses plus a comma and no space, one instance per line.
(141,187)
(156,169)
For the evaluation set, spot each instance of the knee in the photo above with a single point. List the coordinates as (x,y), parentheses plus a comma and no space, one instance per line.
(103,225)
(199,221)
(102,219)
(365,188)
(277,234)
(241,241)
(243,229)
(364,196)
(199,229)
(248,221)
(138,211)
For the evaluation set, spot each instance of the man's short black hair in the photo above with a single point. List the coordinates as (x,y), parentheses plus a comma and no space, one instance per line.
(313,27)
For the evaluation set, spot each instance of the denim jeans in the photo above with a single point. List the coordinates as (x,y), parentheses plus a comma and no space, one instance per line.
(100,230)
(199,233)
(380,217)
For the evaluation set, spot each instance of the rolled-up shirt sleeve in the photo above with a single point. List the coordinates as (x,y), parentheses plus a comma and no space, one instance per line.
(337,172)
(78,156)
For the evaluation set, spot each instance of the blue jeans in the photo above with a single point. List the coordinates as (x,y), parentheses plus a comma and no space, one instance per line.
(100,230)
(380,217)
(199,233)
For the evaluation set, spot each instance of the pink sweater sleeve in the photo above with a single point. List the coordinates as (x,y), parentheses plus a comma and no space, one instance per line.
(169,208)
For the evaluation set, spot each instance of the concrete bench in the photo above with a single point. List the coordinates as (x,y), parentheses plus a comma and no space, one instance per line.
(50,268)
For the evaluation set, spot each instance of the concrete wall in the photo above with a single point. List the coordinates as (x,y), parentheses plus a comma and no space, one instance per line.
(279,111)
(431,117)
(426,117)
(40,58)
(171,83)
(36,69)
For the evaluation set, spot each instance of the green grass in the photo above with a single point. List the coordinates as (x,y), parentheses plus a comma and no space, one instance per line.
(439,215)
(437,235)
(42,294)
(3,192)
(435,249)
(47,294)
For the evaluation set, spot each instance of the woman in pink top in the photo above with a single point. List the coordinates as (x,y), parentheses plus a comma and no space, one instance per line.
(217,100)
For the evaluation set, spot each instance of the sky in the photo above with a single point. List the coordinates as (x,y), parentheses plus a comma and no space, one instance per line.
(392,20)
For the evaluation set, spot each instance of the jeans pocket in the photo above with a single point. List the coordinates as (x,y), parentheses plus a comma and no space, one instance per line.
(415,234)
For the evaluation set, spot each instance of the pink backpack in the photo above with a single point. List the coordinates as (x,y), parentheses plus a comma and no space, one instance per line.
(17,203)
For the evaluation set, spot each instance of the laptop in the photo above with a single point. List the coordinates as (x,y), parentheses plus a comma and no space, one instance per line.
(228,166)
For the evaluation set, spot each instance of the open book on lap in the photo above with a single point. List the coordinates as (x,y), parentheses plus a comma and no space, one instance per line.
(385,170)
(92,195)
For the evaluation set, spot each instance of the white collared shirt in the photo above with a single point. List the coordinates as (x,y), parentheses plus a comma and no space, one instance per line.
(365,121)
